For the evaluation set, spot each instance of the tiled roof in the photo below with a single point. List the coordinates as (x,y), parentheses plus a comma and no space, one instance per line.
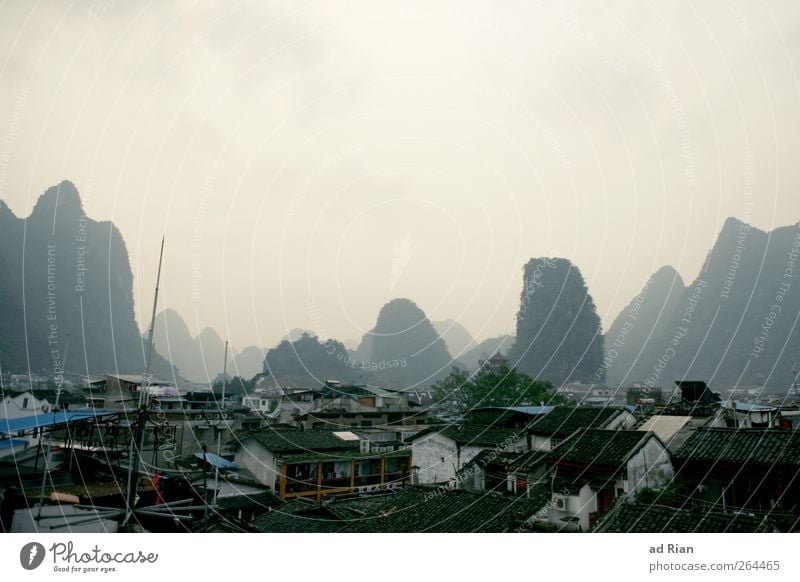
(263,501)
(350,509)
(565,420)
(299,516)
(728,445)
(300,441)
(510,461)
(348,454)
(642,518)
(471,434)
(306,516)
(608,448)
(426,509)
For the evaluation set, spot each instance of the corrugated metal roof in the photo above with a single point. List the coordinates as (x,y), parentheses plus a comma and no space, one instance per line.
(15,425)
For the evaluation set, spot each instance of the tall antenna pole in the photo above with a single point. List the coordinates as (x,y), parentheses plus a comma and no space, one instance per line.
(146,382)
(224,373)
(137,442)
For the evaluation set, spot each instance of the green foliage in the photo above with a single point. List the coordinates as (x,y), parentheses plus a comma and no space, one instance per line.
(310,361)
(504,387)
(233,387)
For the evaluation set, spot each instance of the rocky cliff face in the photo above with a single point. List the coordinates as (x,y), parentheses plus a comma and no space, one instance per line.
(403,350)
(648,316)
(559,336)
(67,278)
(735,324)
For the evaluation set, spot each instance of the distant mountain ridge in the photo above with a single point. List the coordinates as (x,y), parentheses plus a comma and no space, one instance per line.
(199,359)
(66,281)
(735,324)
(456,337)
(404,350)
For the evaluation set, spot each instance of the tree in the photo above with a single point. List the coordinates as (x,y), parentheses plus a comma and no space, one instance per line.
(311,361)
(502,387)
(235,386)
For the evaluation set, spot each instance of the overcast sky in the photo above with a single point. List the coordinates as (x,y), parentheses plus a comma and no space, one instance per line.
(309,161)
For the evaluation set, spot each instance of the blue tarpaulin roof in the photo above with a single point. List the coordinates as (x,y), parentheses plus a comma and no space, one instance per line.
(7,443)
(216,461)
(16,425)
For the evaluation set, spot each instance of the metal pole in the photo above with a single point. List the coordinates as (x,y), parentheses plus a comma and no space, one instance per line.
(137,443)
(45,470)
(205,486)
(152,327)
(216,469)
(60,380)
(224,374)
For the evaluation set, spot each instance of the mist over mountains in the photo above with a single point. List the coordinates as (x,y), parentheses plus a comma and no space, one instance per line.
(456,337)
(198,359)
(403,348)
(736,323)
(64,275)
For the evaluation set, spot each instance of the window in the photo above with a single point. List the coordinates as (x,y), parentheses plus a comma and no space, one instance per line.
(24,403)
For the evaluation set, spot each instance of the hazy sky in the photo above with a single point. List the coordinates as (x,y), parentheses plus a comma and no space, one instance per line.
(309,161)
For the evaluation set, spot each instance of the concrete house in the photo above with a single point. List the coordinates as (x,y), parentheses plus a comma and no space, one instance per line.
(439,454)
(33,402)
(298,463)
(515,473)
(556,426)
(21,404)
(594,467)
(756,469)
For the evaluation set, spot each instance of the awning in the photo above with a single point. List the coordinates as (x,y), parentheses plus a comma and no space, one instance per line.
(50,419)
(216,461)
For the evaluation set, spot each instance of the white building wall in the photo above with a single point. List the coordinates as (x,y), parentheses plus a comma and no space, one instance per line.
(260,462)
(540,443)
(649,468)
(625,420)
(16,407)
(579,505)
(435,457)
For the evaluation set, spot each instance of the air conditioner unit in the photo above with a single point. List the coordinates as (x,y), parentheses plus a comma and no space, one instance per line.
(559,501)
(363,446)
